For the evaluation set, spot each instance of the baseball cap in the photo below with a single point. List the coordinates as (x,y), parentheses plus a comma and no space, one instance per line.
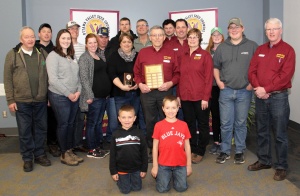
(71,24)
(103,31)
(45,25)
(236,21)
(216,29)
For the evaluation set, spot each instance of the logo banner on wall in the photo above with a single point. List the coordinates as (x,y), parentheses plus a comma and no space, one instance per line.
(91,20)
(204,20)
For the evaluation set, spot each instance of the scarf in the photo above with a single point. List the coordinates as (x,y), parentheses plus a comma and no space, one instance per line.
(127,58)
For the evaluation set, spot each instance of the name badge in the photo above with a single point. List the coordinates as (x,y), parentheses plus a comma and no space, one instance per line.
(166,61)
(261,55)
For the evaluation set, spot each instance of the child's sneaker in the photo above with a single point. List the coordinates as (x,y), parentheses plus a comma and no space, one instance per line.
(222,157)
(95,154)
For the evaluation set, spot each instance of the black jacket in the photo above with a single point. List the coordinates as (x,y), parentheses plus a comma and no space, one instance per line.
(128,151)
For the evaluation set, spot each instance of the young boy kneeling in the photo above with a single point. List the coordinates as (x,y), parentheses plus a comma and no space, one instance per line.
(171,149)
(128,162)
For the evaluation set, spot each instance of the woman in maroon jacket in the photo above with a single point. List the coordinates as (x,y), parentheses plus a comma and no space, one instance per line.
(194,91)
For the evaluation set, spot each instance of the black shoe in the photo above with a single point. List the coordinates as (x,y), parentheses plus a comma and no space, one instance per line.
(28,166)
(239,158)
(42,160)
(54,150)
(222,157)
(258,166)
(280,174)
(80,149)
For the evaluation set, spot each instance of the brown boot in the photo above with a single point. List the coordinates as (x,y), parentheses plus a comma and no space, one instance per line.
(67,159)
(197,159)
(77,158)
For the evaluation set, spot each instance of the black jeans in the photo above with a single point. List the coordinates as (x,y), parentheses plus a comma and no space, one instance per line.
(152,107)
(52,126)
(215,113)
(198,121)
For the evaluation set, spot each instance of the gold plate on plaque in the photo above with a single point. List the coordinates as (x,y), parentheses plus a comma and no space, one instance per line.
(154,75)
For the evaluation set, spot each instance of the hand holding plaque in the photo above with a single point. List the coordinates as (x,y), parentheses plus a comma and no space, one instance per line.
(128,79)
(154,76)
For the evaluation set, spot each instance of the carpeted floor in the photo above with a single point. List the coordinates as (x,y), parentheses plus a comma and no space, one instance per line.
(92,177)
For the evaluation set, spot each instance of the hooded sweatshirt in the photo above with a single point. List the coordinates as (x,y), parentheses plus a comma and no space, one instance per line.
(233,62)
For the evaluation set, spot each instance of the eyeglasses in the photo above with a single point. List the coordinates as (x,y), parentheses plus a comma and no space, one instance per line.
(191,38)
(273,29)
(141,25)
(234,28)
(157,35)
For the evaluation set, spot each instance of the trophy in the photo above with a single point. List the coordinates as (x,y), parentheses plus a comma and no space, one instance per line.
(128,79)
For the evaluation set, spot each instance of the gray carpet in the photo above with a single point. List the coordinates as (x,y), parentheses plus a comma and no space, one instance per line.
(92,178)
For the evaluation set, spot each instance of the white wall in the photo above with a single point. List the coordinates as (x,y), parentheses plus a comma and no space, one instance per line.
(291,33)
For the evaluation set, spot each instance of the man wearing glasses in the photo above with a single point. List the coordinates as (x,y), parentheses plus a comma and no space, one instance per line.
(231,63)
(152,97)
(271,70)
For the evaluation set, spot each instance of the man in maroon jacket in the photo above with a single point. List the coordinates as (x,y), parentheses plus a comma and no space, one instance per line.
(271,70)
(151,98)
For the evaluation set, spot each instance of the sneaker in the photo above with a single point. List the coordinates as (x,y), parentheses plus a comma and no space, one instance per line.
(95,154)
(42,160)
(222,157)
(280,174)
(77,158)
(239,158)
(197,159)
(258,166)
(215,149)
(106,152)
(28,166)
(68,159)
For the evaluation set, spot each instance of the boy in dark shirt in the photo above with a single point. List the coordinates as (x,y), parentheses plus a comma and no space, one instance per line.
(128,162)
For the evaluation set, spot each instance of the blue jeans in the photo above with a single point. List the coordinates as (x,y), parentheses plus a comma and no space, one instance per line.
(94,122)
(273,112)
(164,175)
(130,182)
(141,118)
(78,129)
(130,98)
(65,112)
(234,107)
(32,126)
(112,118)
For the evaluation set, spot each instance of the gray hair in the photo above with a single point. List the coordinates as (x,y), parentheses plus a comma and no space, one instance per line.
(142,20)
(157,27)
(274,21)
(24,28)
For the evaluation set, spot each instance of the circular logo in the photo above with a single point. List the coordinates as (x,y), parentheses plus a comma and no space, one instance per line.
(197,22)
(194,23)
(93,25)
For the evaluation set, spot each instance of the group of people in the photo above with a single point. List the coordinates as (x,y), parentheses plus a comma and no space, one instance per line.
(167,125)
